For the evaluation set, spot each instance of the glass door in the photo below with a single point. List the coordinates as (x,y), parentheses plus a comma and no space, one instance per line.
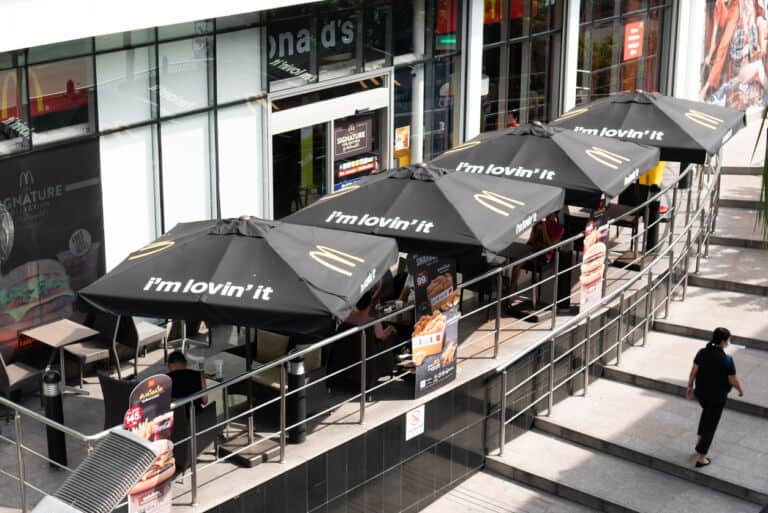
(300,168)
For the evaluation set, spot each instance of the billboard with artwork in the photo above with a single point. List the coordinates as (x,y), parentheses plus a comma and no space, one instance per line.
(733,70)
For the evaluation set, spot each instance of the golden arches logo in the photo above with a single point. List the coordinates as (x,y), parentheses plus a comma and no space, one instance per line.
(605,157)
(498,203)
(460,147)
(340,192)
(34,82)
(152,249)
(703,119)
(571,114)
(329,257)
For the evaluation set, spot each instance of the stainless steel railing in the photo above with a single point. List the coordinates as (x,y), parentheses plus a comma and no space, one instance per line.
(664,250)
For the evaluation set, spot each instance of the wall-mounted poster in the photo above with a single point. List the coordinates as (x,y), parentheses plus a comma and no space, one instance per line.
(633,40)
(435,339)
(51,235)
(733,73)
(150,417)
(353,137)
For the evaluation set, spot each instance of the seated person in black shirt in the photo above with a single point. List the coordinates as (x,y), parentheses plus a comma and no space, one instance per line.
(185,382)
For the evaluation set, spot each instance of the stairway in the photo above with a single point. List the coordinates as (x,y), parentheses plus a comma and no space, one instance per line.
(628,445)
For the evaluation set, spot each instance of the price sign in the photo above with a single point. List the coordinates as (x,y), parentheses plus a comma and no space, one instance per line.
(133,417)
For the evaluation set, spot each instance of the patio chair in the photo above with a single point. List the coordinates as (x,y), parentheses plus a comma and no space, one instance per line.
(139,335)
(205,418)
(16,377)
(96,349)
(116,393)
(346,352)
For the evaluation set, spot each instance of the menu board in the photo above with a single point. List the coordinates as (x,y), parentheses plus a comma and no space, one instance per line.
(150,416)
(353,137)
(435,338)
(593,262)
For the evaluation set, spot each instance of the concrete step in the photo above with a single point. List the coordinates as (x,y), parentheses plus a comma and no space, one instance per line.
(605,482)
(489,493)
(737,227)
(664,363)
(705,309)
(733,269)
(740,191)
(658,431)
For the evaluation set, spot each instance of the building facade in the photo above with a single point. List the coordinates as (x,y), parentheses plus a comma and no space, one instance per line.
(143,118)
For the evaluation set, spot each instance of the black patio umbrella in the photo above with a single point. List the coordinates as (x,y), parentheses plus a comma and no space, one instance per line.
(434,211)
(248,272)
(584,165)
(684,130)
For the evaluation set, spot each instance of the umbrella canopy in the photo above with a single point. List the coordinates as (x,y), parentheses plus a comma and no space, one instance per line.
(584,165)
(684,131)
(249,272)
(432,210)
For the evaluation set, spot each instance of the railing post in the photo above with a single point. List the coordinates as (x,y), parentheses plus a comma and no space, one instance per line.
(713,194)
(619,329)
(555,291)
(700,242)
(497,324)
(551,399)
(672,215)
(193,450)
(503,413)
(648,308)
(588,333)
(669,282)
(283,384)
(646,214)
(20,461)
(363,364)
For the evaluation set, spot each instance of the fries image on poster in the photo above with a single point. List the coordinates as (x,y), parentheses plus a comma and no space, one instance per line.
(434,342)
(150,417)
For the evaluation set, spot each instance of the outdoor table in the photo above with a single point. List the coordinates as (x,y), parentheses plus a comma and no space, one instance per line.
(57,335)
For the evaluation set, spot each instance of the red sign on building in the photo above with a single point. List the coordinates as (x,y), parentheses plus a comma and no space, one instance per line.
(633,40)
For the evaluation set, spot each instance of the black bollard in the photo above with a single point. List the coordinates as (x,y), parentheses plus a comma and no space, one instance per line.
(652,237)
(57,446)
(296,403)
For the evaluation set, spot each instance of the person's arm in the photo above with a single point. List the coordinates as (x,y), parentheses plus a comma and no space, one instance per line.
(691,379)
(377,292)
(383,333)
(733,380)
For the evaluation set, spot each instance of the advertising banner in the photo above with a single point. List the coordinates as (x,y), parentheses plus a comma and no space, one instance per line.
(51,235)
(735,40)
(435,338)
(353,138)
(149,416)
(593,262)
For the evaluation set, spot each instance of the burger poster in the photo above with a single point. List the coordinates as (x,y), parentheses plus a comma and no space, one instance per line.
(149,416)
(593,262)
(51,233)
(435,338)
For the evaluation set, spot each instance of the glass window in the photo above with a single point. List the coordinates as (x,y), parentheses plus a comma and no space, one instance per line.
(61,99)
(376,40)
(409,114)
(516,103)
(546,15)
(538,87)
(125,39)
(603,8)
(442,100)
(14,130)
(446,26)
(517,17)
(240,20)
(59,50)
(238,65)
(337,43)
(192,28)
(187,168)
(129,192)
(489,102)
(291,44)
(654,33)
(241,165)
(125,81)
(184,75)
(492,21)
(408,38)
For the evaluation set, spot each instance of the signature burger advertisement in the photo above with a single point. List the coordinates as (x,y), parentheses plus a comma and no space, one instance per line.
(149,416)
(435,338)
(593,262)
(51,233)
